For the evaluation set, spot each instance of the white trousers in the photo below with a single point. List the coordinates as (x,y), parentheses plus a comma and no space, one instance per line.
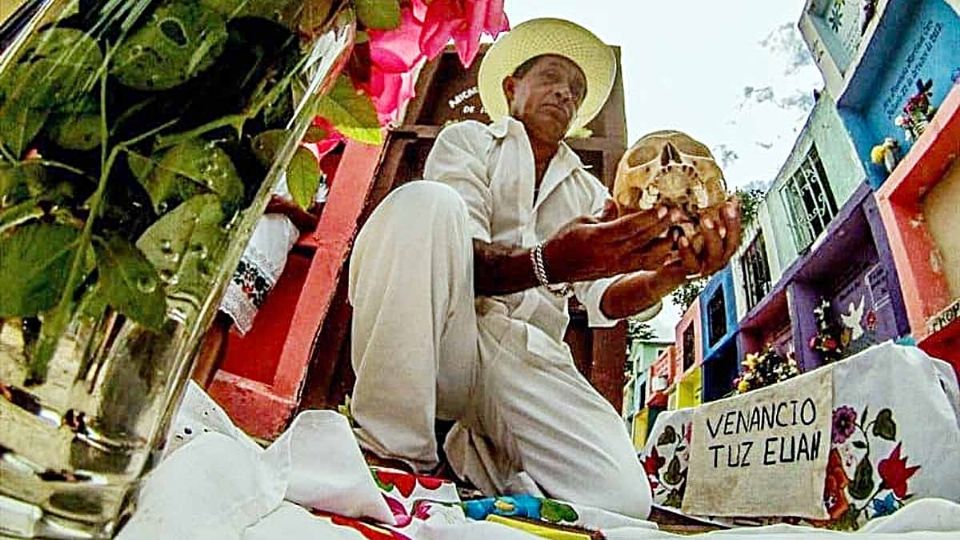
(421,352)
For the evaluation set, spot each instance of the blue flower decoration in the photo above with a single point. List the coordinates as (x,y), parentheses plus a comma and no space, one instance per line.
(884,506)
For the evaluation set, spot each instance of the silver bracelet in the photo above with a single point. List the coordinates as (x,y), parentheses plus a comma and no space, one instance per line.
(539,270)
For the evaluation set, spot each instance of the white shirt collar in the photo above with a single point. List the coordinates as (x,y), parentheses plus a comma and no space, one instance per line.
(510,125)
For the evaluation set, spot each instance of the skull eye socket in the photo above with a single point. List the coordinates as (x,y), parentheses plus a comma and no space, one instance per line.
(641,155)
(691,147)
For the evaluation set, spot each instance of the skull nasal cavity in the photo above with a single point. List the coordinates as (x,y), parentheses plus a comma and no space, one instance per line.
(669,154)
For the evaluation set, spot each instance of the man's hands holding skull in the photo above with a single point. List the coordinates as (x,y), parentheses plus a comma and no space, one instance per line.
(659,250)
(721,232)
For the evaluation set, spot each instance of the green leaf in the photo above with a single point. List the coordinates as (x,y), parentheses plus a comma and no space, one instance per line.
(18,213)
(54,69)
(673,476)
(303,177)
(19,123)
(180,40)
(674,499)
(185,246)
(305,15)
(859,444)
(19,181)
(34,265)
(862,485)
(18,126)
(313,15)
(190,168)
(129,282)
(80,132)
(59,66)
(315,134)
(93,303)
(884,425)
(669,436)
(352,114)
(54,326)
(387,487)
(273,10)
(863,416)
(848,521)
(557,512)
(266,145)
(141,166)
(378,14)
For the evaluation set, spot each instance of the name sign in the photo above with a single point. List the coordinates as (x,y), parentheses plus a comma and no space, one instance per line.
(763,453)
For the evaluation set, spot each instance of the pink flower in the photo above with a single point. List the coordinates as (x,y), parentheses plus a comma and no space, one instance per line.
(399,512)
(383,67)
(397,50)
(463,21)
(844,424)
(330,141)
(390,93)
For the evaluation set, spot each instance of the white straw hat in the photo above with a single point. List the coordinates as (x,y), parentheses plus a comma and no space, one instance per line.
(548,36)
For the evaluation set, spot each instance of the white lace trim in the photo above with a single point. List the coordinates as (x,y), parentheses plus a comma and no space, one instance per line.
(238,307)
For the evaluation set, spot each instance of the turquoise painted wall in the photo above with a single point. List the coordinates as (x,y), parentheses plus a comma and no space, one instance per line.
(825,129)
(919,39)
(643,354)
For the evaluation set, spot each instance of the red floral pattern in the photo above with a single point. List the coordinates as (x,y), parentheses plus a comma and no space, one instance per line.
(834,493)
(894,472)
(653,462)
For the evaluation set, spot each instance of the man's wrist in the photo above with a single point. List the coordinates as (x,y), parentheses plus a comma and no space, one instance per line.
(556,270)
(539,270)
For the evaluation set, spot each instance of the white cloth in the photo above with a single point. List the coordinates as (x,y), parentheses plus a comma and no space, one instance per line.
(221,486)
(424,347)
(266,256)
(919,398)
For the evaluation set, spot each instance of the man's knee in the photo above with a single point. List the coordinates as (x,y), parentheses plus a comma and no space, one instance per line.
(628,493)
(412,213)
(635,501)
(423,196)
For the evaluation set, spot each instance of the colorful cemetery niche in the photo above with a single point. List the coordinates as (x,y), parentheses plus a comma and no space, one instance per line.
(919,204)
(869,461)
(721,357)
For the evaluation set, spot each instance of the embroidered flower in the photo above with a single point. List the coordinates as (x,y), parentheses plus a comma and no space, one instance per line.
(404,482)
(834,492)
(400,515)
(430,482)
(894,472)
(844,424)
(884,506)
(653,462)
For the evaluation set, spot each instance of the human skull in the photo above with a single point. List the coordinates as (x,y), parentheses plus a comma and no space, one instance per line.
(669,167)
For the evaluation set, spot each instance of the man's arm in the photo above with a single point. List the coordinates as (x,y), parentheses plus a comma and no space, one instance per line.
(500,269)
(585,249)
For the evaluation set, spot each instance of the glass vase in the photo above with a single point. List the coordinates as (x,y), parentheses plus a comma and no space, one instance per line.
(139,143)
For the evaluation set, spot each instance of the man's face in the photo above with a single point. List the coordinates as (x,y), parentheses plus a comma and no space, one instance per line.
(546,97)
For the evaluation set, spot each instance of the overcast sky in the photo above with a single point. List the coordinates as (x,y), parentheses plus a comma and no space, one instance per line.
(734,74)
